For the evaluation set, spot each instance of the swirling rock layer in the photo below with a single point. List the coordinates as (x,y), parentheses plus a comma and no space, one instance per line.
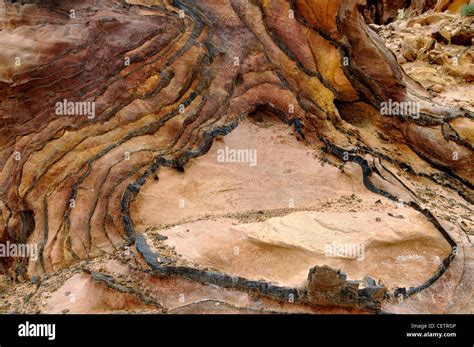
(162,79)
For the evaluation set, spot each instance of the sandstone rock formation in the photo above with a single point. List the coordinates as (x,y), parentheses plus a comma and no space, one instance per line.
(102,99)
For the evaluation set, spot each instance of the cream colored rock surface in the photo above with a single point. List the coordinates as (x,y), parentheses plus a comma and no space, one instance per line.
(400,252)
(286,174)
(286,236)
(80,294)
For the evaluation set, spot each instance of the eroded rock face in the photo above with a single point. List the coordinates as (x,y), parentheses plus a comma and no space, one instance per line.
(99,99)
(441,41)
(327,286)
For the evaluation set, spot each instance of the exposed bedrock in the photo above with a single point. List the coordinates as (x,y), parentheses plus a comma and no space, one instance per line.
(386,11)
(96,96)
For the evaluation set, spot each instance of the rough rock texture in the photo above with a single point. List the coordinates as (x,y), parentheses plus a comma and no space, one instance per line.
(326,286)
(386,11)
(435,49)
(166,78)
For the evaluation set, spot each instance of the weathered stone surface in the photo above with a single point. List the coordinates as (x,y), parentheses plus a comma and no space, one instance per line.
(325,279)
(327,286)
(165,79)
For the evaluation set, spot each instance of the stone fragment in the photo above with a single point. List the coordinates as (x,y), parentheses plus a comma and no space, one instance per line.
(369,281)
(437,88)
(409,53)
(325,279)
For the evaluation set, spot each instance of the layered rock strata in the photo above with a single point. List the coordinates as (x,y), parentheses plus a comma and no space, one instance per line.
(97,96)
